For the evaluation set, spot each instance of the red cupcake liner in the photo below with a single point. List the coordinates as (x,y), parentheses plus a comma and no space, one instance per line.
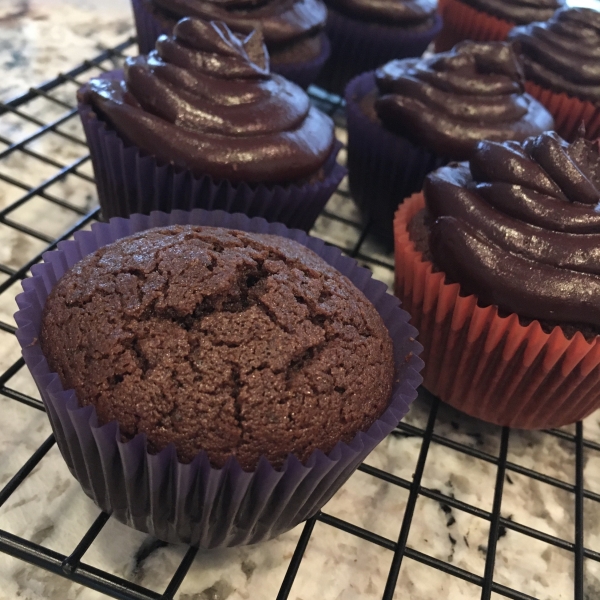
(488,366)
(357,47)
(129,181)
(569,112)
(383,168)
(462,22)
(195,503)
(149,27)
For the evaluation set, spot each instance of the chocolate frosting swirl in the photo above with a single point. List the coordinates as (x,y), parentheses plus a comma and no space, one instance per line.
(281,21)
(563,54)
(396,12)
(204,100)
(451,101)
(520,227)
(518,11)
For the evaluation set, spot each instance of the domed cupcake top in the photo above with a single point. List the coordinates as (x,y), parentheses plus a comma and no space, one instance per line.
(205,100)
(520,227)
(281,21)
(518,11)
(395,12)
(213,339)
(563,54)
(451,101)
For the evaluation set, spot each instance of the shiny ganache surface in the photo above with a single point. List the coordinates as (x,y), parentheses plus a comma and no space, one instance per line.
(518,11)
(213,339)
(519,226)
(451,101)
(563,54)
(281,21)
(396,12)
(205,100)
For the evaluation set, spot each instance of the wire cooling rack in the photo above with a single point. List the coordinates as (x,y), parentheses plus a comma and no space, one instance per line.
(452,456)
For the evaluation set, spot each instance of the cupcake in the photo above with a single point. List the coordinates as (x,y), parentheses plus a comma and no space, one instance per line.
(365,35)
(489,20)
(414,115)
(562,66)
(499,263)
(222,383)
(293,30)
(201,122)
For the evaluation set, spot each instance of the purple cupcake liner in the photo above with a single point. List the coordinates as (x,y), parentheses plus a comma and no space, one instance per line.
(149,27)
(195,503)
(357,47)
(383,168)
(130,181)
(307,72)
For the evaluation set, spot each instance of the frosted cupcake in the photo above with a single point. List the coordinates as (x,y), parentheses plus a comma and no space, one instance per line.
(414,115)
(561,58)
(501,274)
(489,20)
(365,35)
(293,30)
(202,123)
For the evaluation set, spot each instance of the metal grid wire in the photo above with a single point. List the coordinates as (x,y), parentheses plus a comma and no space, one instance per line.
(58,94)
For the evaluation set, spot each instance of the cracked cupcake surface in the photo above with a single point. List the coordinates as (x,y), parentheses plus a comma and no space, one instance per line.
(237,344)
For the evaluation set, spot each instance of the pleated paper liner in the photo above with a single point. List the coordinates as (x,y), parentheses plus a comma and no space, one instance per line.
(195,503)
(383,168)
(149,27)
(488,366)
(569,113)
(358,46)
(462,22)
(129,181)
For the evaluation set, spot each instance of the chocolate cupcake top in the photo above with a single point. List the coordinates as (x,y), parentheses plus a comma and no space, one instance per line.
(281,21)
(517,11)
(205,100)
(386,12)
(212,339)
(563,54)
(519,226)
(451,101)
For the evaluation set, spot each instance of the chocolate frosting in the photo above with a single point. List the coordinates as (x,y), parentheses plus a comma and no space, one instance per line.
(451,101)
(520,227)
(281,21)
(396,12)
(205,100)
(564,53)
(518,11)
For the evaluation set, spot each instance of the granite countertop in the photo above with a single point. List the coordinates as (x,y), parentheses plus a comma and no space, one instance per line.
(39,38)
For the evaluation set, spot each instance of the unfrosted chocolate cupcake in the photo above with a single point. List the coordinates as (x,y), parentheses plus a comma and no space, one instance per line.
(507,255)
(489,20)
(201,122)
(237,344)
(293,29)
(414,115)
(561,59)
(365,35)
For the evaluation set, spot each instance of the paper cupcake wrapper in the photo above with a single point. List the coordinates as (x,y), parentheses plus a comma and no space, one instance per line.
(129,181)
(195,503)
(149,27)
(304,73)
(462,22)
(488,366)
(568,112)
(357,47)
(383,168)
